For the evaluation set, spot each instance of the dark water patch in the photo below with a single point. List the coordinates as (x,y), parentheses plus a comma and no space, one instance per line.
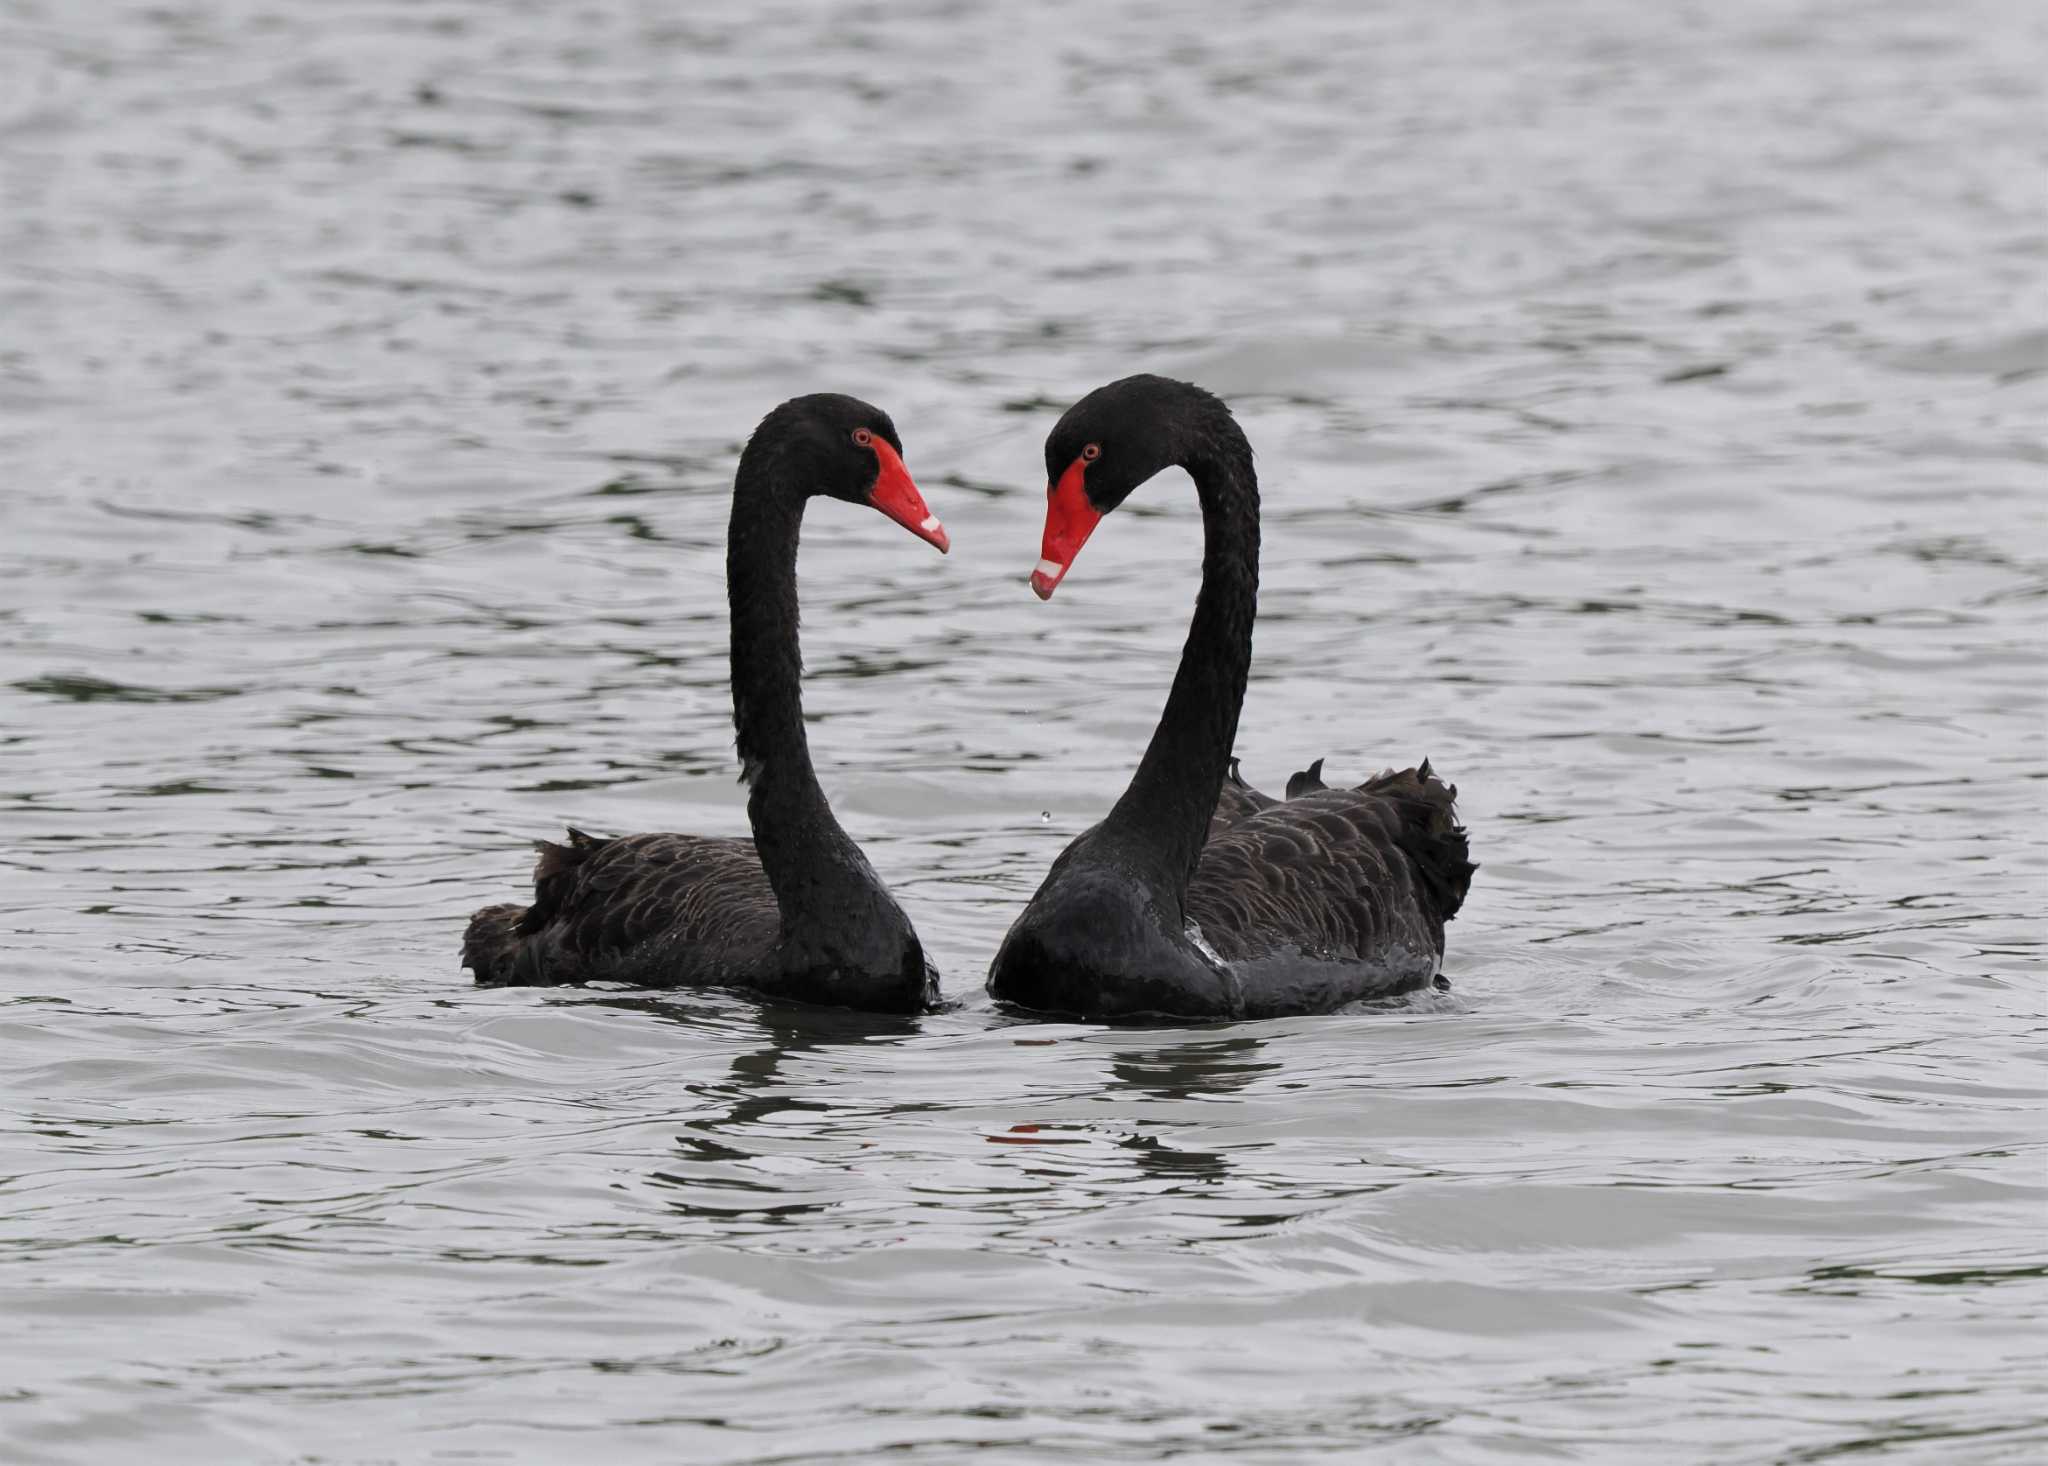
(72,687)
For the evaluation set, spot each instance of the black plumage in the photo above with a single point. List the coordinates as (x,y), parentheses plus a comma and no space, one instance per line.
(1238,801)
(1357,878)
(639,909)
(795,912)
(1306,781)
(1198,896)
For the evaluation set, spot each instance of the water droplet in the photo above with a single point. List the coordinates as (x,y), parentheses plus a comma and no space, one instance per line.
(1045,816)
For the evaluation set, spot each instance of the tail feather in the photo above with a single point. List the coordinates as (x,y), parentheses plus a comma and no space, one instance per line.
(498,945)
(1430,834)
(490,944)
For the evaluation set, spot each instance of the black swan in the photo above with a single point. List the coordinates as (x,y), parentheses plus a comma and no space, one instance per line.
(796,912)
(1198,896)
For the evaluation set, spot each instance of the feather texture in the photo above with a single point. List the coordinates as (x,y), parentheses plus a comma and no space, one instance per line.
(1238,801)
(1336,874)
(637,909)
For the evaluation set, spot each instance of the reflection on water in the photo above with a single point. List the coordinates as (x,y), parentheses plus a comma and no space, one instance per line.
(1186,1070)
(1183,1071)
(1648,407)
(759,1095)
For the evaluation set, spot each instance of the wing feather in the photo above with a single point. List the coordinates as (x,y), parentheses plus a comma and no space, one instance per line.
(1346,874)
(639,908)
(1237,801)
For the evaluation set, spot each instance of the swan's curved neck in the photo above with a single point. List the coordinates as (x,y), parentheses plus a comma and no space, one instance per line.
(813,865)
(1162,819)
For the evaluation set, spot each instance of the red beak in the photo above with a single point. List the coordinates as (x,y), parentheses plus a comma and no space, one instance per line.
(1069,520)
(896,496)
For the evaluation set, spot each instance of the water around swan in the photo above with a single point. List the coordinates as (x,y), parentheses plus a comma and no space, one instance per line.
(1650,408)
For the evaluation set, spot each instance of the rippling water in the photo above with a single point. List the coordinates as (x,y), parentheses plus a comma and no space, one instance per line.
(1650,402)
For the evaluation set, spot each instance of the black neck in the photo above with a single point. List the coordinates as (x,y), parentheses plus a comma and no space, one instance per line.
(816,870)
(1163,817)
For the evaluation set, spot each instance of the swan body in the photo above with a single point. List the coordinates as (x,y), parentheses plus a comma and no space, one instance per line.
(1198,896)
(796,912)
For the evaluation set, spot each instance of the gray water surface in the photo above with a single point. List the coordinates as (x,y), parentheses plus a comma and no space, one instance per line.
(1650,403)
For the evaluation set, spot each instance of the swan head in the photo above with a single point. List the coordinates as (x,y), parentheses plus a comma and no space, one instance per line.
(847,449)
(1105,446)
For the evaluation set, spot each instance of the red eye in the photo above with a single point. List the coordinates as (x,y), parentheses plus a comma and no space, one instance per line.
(1092,452)
(863,437)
